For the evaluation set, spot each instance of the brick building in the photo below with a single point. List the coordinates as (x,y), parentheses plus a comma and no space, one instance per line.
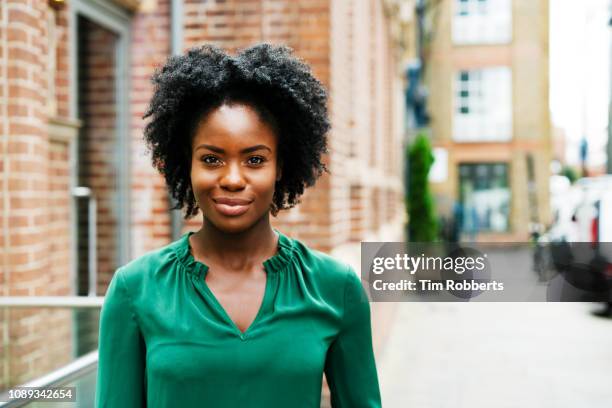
(74,83)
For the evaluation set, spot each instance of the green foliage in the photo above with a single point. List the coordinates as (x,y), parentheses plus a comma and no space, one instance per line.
(422,222)
(570,173)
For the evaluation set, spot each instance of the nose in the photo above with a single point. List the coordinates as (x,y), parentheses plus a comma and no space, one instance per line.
(232,178)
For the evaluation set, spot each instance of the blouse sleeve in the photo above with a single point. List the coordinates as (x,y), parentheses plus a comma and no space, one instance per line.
(350,368)
(121,353)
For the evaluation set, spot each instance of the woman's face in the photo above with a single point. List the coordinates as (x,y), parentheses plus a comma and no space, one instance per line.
(234,167)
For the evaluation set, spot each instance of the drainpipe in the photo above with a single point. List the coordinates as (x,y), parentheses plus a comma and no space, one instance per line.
(92,270)
(176,48)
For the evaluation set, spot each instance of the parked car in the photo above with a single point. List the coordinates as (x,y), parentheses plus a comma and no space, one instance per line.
(581,249)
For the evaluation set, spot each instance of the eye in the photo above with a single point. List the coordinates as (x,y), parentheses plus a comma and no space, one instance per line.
(256,160)
(210,160)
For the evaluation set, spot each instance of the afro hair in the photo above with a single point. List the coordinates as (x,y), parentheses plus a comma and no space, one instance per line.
(278,85)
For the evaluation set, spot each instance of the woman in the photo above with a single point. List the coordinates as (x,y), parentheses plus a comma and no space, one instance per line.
(236,314)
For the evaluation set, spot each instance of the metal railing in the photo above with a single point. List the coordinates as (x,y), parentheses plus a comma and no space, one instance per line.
(52,301)
(65,374)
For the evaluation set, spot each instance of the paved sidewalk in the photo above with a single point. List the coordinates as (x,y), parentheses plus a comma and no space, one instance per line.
(496,355)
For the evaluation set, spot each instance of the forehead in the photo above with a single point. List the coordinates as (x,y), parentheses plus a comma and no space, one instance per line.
(236,125)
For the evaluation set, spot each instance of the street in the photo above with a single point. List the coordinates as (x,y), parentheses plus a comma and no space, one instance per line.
(496,355)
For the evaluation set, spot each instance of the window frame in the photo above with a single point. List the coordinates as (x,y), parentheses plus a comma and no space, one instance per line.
(117,20)
(471,18)
(473,103)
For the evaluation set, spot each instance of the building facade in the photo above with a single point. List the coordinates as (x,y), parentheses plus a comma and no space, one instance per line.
(487,73)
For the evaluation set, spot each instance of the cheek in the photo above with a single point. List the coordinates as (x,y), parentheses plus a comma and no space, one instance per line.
(202,179)
(264,181)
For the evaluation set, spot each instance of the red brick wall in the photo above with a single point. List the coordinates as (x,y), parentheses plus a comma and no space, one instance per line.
(98,145)
(342,88)
(365,137)
(3,256)
(150,220)
(357,212)
(26,144)
(61,55)
(59,219)
(32,214)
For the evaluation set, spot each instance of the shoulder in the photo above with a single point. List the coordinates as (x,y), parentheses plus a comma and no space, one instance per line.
(144,268)
(336,282)
(320,260)
(326,269)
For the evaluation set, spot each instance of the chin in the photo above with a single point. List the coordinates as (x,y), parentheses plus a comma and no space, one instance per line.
(231,226)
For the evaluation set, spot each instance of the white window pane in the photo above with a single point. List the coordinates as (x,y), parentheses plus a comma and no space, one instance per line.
(482,22)
(485,113)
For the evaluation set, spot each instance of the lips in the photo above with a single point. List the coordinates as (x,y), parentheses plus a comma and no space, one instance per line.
(231,207)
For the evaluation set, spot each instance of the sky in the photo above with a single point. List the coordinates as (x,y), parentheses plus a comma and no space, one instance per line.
(580,74)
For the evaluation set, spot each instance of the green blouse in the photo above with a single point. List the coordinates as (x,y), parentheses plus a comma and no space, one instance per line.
(165,340)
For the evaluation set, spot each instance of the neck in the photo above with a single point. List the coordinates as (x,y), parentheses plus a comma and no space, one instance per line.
(237,250)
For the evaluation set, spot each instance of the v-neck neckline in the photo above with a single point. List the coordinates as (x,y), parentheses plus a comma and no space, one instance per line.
(272,266)
(264,304)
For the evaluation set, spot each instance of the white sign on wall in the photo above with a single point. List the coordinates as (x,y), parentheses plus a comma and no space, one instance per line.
(439,170)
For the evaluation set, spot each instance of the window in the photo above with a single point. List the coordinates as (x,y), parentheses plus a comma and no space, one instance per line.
(483,105)
(484,197)
(482,21)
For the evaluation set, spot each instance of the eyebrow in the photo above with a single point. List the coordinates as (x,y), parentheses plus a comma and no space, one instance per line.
(246,150)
